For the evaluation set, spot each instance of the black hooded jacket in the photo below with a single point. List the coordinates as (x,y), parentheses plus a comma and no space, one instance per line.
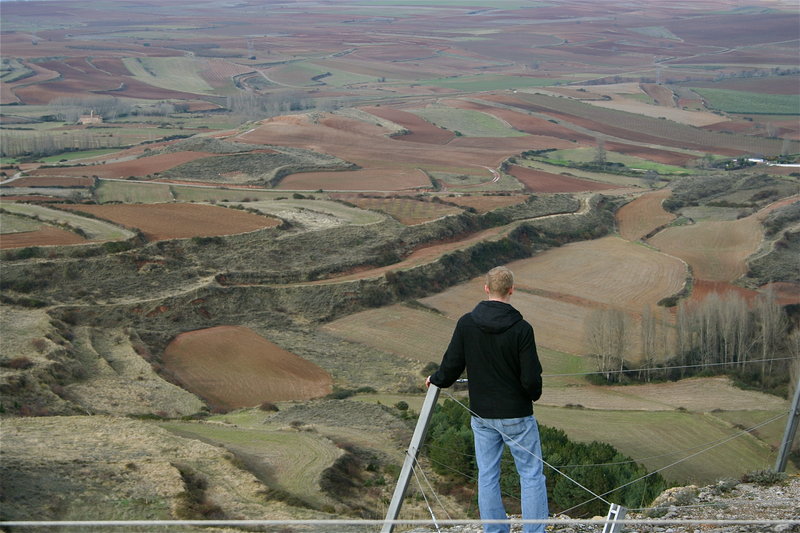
(497,347)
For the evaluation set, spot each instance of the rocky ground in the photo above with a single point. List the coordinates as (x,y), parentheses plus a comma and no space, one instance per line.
(726,500)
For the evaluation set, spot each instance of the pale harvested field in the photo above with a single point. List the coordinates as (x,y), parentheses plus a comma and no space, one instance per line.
(178,221)
(397,329)
(483,204)
(644,214)
(716,250)
(682,116)
(558,289)
(375,179)
(695,394)
(124,169)
(232,366)
(290,460)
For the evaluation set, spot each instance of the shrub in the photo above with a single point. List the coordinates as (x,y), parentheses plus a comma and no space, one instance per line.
(401,406)
(17,363)
(268,406)
(764,477)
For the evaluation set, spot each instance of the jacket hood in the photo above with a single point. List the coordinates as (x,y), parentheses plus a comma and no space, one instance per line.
(495,317)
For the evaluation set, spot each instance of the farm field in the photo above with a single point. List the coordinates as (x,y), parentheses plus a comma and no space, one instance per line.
(406,211)
(95,229)
(314,214)
(204,361)
(716,250)
(176,220)
(539,181)
(639,434)
(43,236)
(643,215)
(373,179)
(290,460)
(558,289)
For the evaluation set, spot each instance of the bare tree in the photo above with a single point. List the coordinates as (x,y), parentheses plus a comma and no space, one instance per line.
(600,152)
(606,334)
(771,324)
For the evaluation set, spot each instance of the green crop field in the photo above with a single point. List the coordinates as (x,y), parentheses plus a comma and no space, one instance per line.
(16,224)
(586,155)
(132,192)
(647,435)
(674,133)
(750,103)
(468,122)
(487,83)
(294,460)
(94,229)
(83,154)
(175,73)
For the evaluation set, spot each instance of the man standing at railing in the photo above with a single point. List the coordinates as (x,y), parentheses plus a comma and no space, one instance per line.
(497,347)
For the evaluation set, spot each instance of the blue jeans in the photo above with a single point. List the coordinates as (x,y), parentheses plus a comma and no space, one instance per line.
(522,437)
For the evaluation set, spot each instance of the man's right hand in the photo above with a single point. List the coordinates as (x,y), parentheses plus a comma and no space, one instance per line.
(427,382)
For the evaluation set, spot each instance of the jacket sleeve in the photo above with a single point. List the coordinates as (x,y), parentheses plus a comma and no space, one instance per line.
(530,366)
(453,361)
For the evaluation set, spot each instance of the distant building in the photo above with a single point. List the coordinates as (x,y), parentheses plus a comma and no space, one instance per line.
(90,119)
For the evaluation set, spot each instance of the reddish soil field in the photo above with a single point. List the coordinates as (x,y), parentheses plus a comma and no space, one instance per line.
(609,129)
(786,293)
(484,204)
(233,367)
(702,288)
(178,221)
(543,182)
(662,95)
(32,198)
(421,130)
(375,152)
(123,169)
(735,30)
(50,182)
(651,154)
(46,236)
(522,121)
(643,215)
(77,76)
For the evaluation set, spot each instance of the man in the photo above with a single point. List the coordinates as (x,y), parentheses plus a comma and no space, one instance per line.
(497,347)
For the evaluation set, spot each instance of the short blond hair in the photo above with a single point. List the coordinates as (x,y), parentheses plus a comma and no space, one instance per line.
(500,281)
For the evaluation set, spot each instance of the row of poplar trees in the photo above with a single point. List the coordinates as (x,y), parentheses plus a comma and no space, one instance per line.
(721,334)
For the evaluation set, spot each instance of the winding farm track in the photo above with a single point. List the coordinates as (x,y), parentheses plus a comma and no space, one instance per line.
(430,252)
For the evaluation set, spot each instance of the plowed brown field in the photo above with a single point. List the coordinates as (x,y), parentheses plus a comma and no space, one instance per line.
(46,236)
(420,130)
(541,181)
(178,221)
(644,214)
(232,367)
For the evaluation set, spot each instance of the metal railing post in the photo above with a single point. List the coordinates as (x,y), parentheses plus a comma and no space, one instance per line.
(790,431)
(411,456)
